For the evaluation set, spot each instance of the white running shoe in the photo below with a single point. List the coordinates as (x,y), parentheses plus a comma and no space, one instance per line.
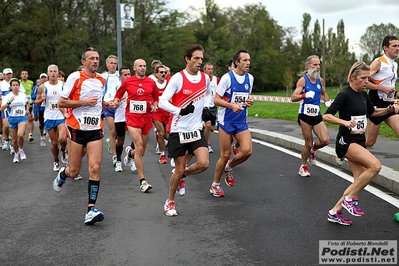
(172,163)
(6,145)
(16,158)
(22,154)
(78,177)
(42,143)
(12,151)
(304,171)
(94,216)
(58,182)
(339,161)
(145,186)
(64,157)
(170,208)
(56,167)
(114,160)
(133,166)
(118,166)
(127,160)
(210,149)
(312,158)
(108,145)
(157,149)
(181,188)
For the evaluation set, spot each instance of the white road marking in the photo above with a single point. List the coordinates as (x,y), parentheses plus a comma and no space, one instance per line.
(375,191)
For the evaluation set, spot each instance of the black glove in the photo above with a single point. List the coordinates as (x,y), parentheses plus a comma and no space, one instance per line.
(188,110)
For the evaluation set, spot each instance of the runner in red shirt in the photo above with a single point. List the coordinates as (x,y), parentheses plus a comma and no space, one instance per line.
(142,100)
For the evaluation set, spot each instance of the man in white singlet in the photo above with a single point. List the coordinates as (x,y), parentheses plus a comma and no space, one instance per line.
(82,98)
(209,113)
(161,117)
(382,93)
(54,117)
(120,125)
(111,84)
(184,98)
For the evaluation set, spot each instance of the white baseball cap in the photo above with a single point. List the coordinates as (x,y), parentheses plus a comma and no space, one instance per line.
(7,71)
(43,75)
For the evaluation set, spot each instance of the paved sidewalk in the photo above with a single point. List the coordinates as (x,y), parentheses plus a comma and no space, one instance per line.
(288,134)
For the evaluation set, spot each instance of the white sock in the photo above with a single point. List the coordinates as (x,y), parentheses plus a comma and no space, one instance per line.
(215,184)
(227,167)
(347,198)
(332,212)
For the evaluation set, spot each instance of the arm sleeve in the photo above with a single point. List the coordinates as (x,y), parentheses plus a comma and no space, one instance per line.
(173,87)
(208,94)
(69,84)
(336,104)
(224,85)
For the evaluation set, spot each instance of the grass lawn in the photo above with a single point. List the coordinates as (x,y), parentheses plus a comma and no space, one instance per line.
(289,111)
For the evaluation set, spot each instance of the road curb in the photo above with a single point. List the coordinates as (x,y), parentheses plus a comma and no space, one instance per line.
(387,178)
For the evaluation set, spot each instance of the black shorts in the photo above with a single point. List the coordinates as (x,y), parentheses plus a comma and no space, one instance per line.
(343,141)
(176,149)
(83,137)
(311,120)
(208,115)
(376,120)
(120,128)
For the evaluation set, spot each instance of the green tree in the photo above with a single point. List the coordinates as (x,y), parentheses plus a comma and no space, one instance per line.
(211,31)
(371,41)
(317,39)
(254,29)
(338,58)
(306,45)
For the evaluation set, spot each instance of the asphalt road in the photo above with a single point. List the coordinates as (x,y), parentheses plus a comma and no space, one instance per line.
(271,217)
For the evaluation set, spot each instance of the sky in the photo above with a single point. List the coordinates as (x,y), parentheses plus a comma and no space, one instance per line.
(357,15)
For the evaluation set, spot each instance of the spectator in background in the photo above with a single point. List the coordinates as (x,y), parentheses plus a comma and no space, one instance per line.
(28,85)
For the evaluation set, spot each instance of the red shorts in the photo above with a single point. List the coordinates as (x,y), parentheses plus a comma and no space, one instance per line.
(144,122)
(161,118)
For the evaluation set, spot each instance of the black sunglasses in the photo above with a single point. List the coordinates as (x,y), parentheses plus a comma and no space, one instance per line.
(162,72)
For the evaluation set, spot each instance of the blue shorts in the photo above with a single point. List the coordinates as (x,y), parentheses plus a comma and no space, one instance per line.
(109,112)
(36,110)
(4,113)
(233,128)
(50,124)
(13,121)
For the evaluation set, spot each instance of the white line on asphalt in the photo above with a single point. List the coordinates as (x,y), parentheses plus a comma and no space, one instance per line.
(382,195)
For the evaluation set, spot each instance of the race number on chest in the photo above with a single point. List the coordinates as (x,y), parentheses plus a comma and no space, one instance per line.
(189,136)
(90,121)
(239,97)
(138,107)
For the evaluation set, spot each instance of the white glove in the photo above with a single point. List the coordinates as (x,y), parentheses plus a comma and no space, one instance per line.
(310,94)
(327,104)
